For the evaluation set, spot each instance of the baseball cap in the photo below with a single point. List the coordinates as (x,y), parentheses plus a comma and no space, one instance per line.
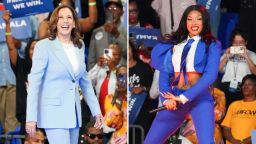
(116,2)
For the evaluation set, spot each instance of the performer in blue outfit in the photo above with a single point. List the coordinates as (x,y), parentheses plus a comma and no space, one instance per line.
(58,70)
(188,65)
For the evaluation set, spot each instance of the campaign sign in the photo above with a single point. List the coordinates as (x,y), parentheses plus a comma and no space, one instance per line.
(136,102)
(150,37)
(78,8)
(21,28)
(20,8)
(213,7)
(2,6)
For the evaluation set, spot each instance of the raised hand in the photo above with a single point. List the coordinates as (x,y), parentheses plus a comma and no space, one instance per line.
(6,16)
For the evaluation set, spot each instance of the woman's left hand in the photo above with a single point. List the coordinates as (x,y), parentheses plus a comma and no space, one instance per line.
(245,54)
(169,95)
(99,121)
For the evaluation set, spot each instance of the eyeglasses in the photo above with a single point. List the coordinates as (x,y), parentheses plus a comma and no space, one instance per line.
(112,8)
(93,136)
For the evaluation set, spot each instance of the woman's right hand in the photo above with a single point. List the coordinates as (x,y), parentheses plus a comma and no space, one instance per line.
(170,104)
(31,128)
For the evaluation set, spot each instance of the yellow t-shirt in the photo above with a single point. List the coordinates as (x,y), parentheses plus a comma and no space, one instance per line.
(241,118)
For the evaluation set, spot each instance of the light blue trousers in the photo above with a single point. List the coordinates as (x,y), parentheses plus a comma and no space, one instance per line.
(62,136)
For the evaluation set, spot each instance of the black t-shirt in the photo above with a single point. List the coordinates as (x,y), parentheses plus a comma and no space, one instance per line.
(140,75)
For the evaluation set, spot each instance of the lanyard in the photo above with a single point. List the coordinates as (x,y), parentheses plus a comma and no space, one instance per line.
(235,67)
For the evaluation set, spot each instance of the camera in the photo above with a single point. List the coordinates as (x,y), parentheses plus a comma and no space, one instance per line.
(108,53)
(237,49)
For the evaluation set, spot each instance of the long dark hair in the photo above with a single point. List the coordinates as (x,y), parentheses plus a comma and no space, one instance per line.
(182,32)
(75,33)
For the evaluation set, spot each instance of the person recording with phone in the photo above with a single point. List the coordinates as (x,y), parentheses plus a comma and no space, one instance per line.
(116,108)
(112,31)
(103,74)
(236,62)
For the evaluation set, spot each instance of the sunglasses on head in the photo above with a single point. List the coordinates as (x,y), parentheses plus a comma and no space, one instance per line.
(93,136)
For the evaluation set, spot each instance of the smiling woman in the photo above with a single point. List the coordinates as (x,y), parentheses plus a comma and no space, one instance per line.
(188,65)
(58,70)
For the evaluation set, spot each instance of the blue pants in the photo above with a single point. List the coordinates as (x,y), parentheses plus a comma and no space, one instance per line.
(168,121)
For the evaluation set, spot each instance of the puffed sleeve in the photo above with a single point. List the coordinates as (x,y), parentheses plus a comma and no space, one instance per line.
(161,59)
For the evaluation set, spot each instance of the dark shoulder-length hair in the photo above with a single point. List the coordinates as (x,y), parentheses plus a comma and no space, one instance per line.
(75,33)
(182,32)
(238,31)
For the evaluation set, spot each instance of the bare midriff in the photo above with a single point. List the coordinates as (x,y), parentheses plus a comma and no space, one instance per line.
(193,77)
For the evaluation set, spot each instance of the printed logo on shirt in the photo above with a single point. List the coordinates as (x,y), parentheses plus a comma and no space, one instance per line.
(245,113)
(134,81)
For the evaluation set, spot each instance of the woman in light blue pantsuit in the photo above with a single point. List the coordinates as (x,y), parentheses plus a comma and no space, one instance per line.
(58,69)
(188,65)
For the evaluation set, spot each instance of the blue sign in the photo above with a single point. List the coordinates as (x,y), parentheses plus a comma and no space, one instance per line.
(21,28)
(213,7)
(150,37)
(136,102)
(20,8)
(78,8)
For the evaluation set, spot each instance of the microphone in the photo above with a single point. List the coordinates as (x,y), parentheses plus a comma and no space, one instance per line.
(157,109)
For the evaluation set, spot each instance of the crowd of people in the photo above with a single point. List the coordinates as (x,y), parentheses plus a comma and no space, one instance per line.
(88,80)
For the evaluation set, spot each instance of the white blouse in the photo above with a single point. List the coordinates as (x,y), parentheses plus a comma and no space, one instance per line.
(70,51)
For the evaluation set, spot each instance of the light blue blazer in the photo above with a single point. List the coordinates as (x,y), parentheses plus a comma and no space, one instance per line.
(53,97)
(205,62)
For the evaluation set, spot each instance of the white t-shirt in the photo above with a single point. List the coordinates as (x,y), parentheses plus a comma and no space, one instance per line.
(237,68)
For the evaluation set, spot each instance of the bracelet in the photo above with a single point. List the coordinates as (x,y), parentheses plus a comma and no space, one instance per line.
(8,33)
(92,4)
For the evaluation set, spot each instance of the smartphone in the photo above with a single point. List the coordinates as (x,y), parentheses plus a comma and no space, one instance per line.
(108,53)
(237,49)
